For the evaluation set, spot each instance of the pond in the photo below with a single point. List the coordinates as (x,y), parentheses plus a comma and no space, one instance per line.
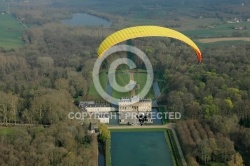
(84,19)
(147,148)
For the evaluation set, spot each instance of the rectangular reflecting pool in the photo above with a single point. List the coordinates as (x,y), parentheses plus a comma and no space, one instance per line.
(147,148)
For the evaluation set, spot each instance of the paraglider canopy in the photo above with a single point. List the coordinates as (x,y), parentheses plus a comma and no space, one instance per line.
(145,31)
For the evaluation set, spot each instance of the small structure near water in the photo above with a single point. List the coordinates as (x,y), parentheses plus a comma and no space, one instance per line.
(91,128)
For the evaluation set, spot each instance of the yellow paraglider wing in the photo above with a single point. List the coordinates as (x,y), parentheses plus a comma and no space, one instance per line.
(145,31)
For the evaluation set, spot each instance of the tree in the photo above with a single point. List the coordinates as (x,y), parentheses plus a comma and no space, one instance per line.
(204,151)
(62,84)
(193,110)
(79,84)
(224,125)
(236,160)
(225,149)
(175,101)
(246,138)
(45,63)
(104,132)
(192,161)
(210,107)
(51,107)
(8,108)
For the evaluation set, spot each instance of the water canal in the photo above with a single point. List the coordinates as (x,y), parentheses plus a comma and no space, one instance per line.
(147,148)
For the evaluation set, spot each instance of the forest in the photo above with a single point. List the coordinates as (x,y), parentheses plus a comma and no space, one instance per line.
(212,96)
(41,82)
(60,144)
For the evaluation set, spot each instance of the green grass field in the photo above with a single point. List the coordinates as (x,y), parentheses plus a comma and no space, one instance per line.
(92,93)
(10,32)
(141,79)
(122,79)
(221,43)
(6,131)
(119,95)
(222,30)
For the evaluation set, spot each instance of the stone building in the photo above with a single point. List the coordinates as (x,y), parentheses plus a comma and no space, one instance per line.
(131,108)
(99,108)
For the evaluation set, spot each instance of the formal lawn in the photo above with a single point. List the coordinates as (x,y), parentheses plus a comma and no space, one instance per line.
(92,93)
(141,79)
(122,79)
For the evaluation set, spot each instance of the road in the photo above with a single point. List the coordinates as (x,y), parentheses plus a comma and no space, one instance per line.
(170,126)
